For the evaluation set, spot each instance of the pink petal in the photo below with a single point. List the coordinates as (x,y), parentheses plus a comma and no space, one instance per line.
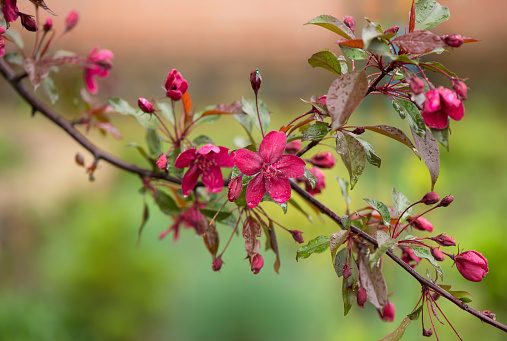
(186,159)
(102,55)
(223,159)
(255,190)
(449,97)
(212,179)
(278,188)
(248,162)
(272,146)
(90,82)
(432,102)
(174,94)
(435,119)
(190,179)
(290,166)
(207,148)
(456,113)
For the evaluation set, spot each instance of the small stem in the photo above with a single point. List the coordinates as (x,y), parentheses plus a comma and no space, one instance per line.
(258,115)
(175,120)
(232,234)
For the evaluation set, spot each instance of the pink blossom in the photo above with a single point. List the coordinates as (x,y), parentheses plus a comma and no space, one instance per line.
(217,263)
(319,185)
(460,88)
(205,161)
(409,257)
(323,160)
(2,41)
(453,40)
(293,147)
(255,80)
(472,265)
(273,169)
(162,161)
(175,85)
(361,296)
(350,22)
(71,20)
(99,64)
(388,313)
(437,254)
(297,235)
(190,218)
(440,104)
(421,223)
(256,262)
(444,240)
(235,188)
(10,10)
(430,198)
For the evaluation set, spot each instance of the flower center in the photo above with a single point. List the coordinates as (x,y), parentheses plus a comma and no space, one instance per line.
(204,163)
(270,171)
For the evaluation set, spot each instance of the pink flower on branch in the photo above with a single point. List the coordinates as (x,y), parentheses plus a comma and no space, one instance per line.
(273,169)
(441,104)
(175,85)
(205,162)
(472,265)
(99,64)
(10,10)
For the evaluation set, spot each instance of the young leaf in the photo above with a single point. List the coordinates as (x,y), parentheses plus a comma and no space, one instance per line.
(400,204)
(167,111)
(344,96)
(315,132)
(382,209)
(353,53)
(211,239)
(249,108)
(339,261)
(385,242)
(398,333)
(311,178)
(353,156)
(411,112)
(222,215)
(428,148)
(369,33)
(50,89)
(395,134)
(166,203)
(463,296)
(336,241)
(121,106)
(431,66)
(429,13)
(153,141)
(374,283)
(251,231)
(317,245)
(442,136)
(411,24)
(348,296)
(326,60)
(146,215)
(422,252)
(418,42)
(333,24)
(202,139)
(371,156)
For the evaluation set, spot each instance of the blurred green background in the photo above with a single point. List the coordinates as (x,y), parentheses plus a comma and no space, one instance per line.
(69,264)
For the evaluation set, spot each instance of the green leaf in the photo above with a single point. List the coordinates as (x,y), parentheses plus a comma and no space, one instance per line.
(153,141)
(380,47)
(411,112)
(146,215)
(369,33)
(50,89)
(171,159)
(311,178)
(425,253)
(348,296)
(385,242)
(222,215)
(316,132)
(121,106)
(267,197)
(340,259)
(166,203)
(415,315)
(431,66)
(346,221)
(353,53)
(463,296)
(353,156)
(333,24)
(335,241)
(14,58)
(398,333)
(202,139)
(167,111)
(401,203)
(317,245)
(395,134)
(249,108)
(429,13)
(344,186)
(442,136)
(245,121)
(371,156)
(428,148)
(15,37)
(326,60)
(382,209)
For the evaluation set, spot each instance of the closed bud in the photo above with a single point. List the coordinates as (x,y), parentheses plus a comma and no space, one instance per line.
(350,22)
(393,30)
(444,240)
(217,263)
(446,201)
(297,235)
(453,40)
(235,187)
(489,314)
(361,296)
(430,198)
(162,161)
(145,105)
(421,223)
(427,332)
(346,270)
(80,159)
(409,257)
(293,147)
(323,160)
(437,254)
(416,84)
(472,265)
(28,22)
(48,25)
(71,20)
(257,262)
(358,130)
(255,80)
(388,313)
(460,88)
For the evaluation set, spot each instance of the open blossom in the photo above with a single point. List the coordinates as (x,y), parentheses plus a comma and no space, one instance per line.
(205,162)
(472,265)
(273,169)
(190,218)
(440,104)
(175,85)
(99,64)
(10,10)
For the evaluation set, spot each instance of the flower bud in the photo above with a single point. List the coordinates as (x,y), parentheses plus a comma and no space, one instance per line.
(408,256)
(346,270)
(217,263)
(358,130)
(453,40)
(175,85)
(71,20)
(444,240)
(257,262)
(145,105)
(80,159)
(472,265)
(460,88)
(427,332)
(393,30)
(293,147)
(437,254)
(297,235)
(421,223)
(255,80)
(48,25)
(489,314)
(361,296)
(430,198)
(162,161)
(28,22)
(350,22)
(388,312)
(416,84)
(446,201)
(323,160)
(235,187)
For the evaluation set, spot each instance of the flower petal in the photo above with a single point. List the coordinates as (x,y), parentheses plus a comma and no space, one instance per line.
(435,119)
(190,179)
(90,81)
(223,159)
(208,148)
(186,158)
(255,190)
(248,162)
(272,146)
(456,113)
(212,179)
(290,166)
(278,188)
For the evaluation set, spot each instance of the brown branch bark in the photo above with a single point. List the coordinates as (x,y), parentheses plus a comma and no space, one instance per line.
(15,81)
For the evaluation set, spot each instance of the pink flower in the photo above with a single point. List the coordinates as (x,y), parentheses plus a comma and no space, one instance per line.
(2,41)
(323,160)
(440,104)
(145,105)
(10,10)
(99,64)
(421,223)
(350,22)
(191,218)
(319,185)
(256,262)
(206,161)
(71,20)
(430,198)
(472,265)
(408,256)
(460,88)
(388,312)
(273,169)
(162,161)
(175,85)
(437,254)
(255,80)
(453,40)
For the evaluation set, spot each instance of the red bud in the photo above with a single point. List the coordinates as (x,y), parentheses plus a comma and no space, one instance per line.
(296,234)
(255,80)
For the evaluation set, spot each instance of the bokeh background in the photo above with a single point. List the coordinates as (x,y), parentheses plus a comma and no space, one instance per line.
(69,265)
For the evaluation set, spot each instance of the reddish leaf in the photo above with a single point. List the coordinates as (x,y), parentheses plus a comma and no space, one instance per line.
(374,283)
(225,109)
(469,40)
(211,239)
(418,42)
(345,95)
(251,231)
(36,71)
(428,148)
(394,133)
(108,127)
(187,102)
(274,246)
(411,24)
(357,43)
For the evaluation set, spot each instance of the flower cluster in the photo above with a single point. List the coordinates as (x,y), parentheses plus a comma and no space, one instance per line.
(440,104)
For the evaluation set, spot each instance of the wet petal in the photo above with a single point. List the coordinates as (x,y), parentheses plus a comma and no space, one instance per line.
(432,102)
(186,158)
(272,146)
(435,119)
(290,166)
(456,112)
(190,179)
(278,188)
(90,81)
(212,179)
(255,190)
(223,159)
(207,148)
(248,162)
